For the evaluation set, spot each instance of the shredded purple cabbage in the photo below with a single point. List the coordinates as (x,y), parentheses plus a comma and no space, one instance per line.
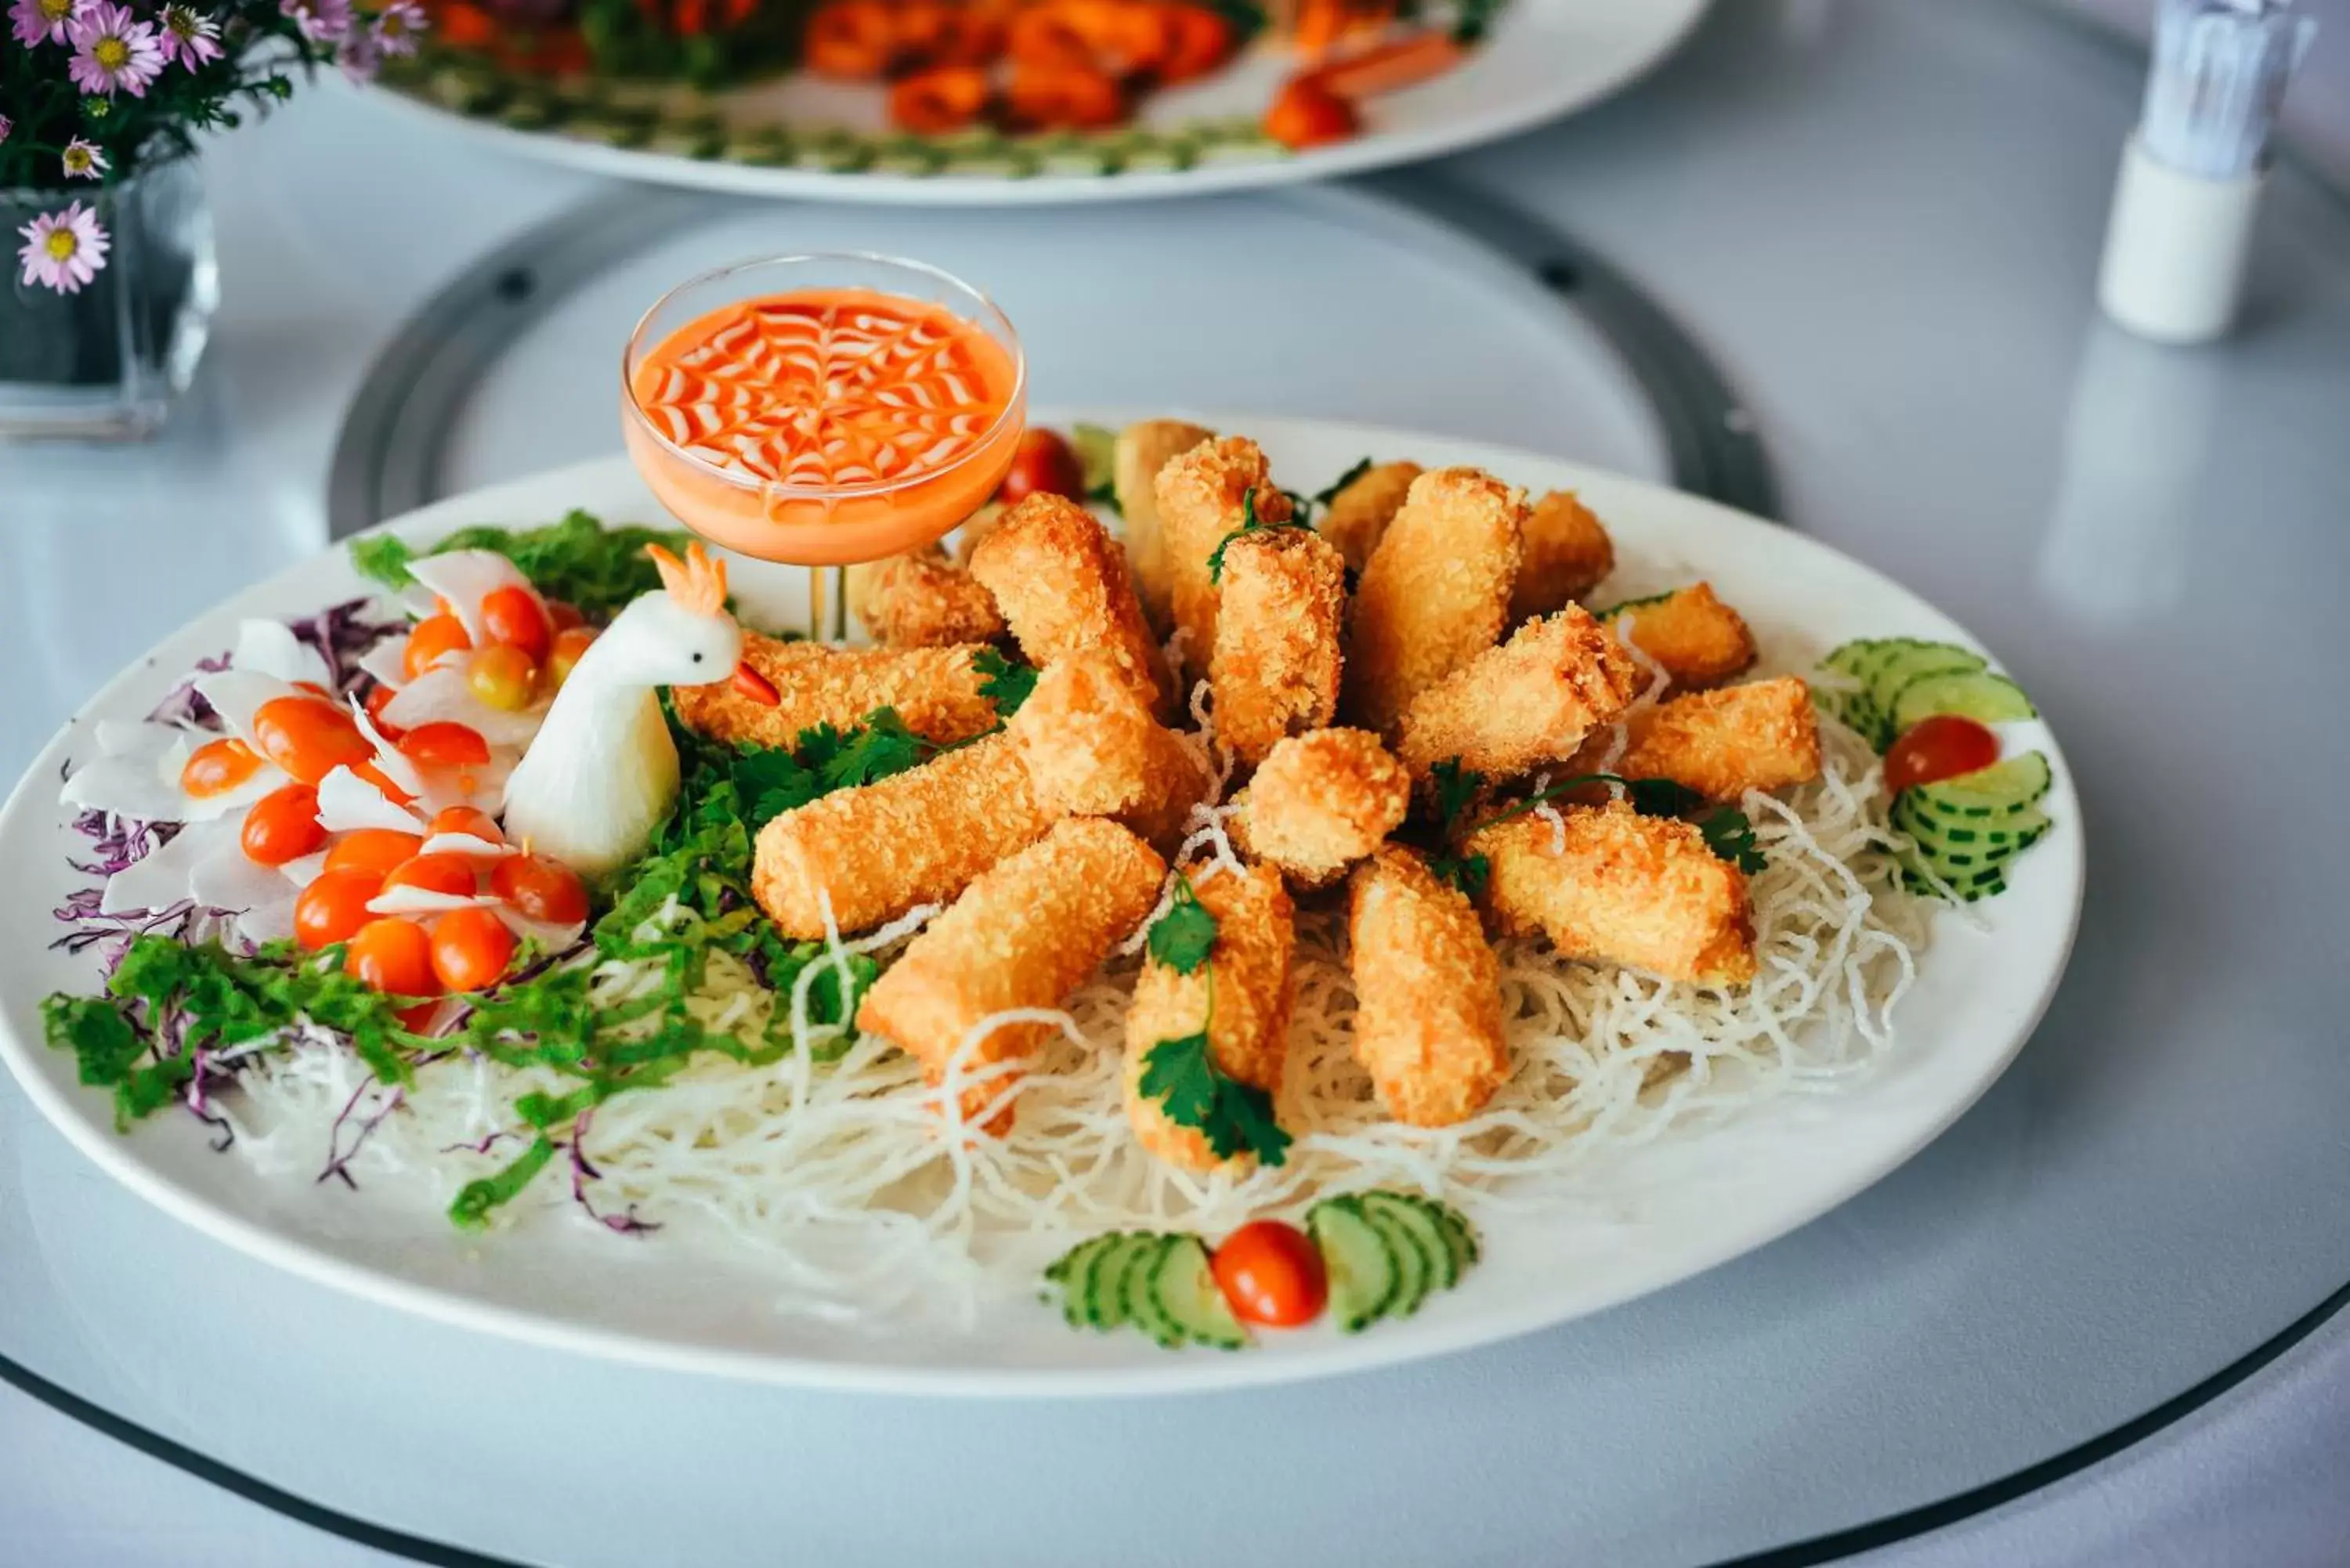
(338,1156)
(583,1172)
(185,705)
(343,633)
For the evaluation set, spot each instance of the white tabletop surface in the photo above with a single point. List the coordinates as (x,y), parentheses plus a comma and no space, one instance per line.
(336,220)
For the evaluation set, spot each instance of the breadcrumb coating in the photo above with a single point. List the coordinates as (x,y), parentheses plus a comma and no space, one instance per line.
(1319,803)
(1359,514)
(1427,989)
(1025,933)
(921,599)
(881,850)
(1531,701)
(934,689)
(1061,582)
(1200,496)
(1276,663)
(1142,450)
(1624,888)
(1697,639)
(1249,1035)
(1093,749)
(1764,735)
(1567,554)
(1436,592)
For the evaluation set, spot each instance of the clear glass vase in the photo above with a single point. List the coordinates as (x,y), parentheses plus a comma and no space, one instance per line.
(108,360)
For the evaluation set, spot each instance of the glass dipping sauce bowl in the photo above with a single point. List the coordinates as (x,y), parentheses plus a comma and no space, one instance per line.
(922,467)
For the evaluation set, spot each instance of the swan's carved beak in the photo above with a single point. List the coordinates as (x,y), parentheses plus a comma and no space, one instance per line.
(756,687)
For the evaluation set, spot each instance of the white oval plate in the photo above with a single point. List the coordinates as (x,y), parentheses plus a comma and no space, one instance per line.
(1544,58)
(1673,1209)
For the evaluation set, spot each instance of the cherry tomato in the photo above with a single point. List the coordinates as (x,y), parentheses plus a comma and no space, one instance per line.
(471,948)
(283,825)
(542,889)
(563,617)
(314,688)
(466,820)
(441,745)
(503,677)
(1043,463)
(1941,747)
(383,783)
(563,655)
(334,906)
(380,851)
(1271,1275)
(434,636)
(217,767)
(1305,114)
(512,616)
(308,738)
(393,955)
(414,1019)
(377,701)
(434,873)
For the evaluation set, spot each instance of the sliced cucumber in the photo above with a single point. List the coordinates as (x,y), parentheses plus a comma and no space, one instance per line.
(1142,1291)
(1969,857)
(1102,1287)
(1858,661)
(1427,1232)
(1070,1271)
(1457,1236)
(2018,781)
(1363,1269)
(1188,1297)
(1415,1270)
(1970,694)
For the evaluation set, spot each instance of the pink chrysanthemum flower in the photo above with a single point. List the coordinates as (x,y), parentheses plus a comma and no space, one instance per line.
(398,28)
(113,49)
(7,125)
(189,36)
(321,21)
(44,21)
(359,56)
(83,160)
(63,250)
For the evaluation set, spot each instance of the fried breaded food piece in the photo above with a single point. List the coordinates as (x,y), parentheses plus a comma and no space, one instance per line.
(1721,743)
(1697,639)
(1436,593)
(1275,666)
(1025,933)
(921,599)
(1094,749)
(1142,450)
(1248,1036)
(934,689)
(1201,496)
(1531,700)
(1060,580)
(1360,514)
(1566,555)
(881,850)
(1319,803)
(1627,889)
(974,528)
(1427,1018)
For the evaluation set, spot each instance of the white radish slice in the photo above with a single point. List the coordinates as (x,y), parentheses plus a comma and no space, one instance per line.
(160,879)
(237,695)
(346,800)
(407,900)
(389,759)
(303,869)
(464,578)
(550,937)
(267,922)
(418,602)
(270,647)
(229,878)
(127,786)
(387,662)
(119,738)
(467,846)
(441,695)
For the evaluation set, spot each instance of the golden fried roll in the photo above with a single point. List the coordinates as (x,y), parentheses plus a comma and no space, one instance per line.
(1200,496)
(881,850)
(1093,749)
(921,599)
(1248,1036)
(1319,803)
(1060,580)
(1274,670)
(1722,742)
(1428,990)
(1360,514)
(1027,933)
(1566,555)
(1529,701)
(1697,639)
(934,689)
(1142,450)
(1625,888)
(1436,593)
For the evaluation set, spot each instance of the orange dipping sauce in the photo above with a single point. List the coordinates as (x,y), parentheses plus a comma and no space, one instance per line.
(825,426)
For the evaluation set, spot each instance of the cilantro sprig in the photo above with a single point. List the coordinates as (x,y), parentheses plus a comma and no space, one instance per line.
(1249,524)
(1457,789)
(1728,832)
(1180,1073)
(1329,492)
(577,560)
(1003,682)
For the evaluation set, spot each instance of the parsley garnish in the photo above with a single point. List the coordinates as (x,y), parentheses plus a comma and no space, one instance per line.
(1249,524)
(476,1199)
(1180,1073)
(1456,790)
(1004,682)
(1727,831)
(577,560)
(1324,497)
